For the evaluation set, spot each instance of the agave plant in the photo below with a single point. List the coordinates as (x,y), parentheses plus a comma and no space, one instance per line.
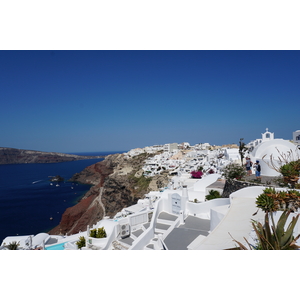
(266,201)
(13,245)
(290,173)
(274,237)
(271,200)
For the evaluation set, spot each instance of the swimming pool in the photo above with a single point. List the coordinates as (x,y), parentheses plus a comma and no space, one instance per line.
(56,247)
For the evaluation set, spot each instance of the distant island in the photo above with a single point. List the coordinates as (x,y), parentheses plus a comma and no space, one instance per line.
(20,156)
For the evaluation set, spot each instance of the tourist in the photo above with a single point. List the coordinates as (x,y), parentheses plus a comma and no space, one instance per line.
(248,166)
(258,170)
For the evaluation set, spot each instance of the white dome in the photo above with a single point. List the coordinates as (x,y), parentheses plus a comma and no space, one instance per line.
(273,148)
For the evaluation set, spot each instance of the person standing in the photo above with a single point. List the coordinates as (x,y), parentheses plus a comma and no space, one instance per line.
(257,170)
(248,166)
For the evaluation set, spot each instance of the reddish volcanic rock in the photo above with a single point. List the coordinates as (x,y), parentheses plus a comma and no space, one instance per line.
(122,185)
(88,211)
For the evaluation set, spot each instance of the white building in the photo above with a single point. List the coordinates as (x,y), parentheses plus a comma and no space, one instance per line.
(267,136)
(296,137)
(232,155)
(202,146)
(184,145)
(272,149)
(134,152)
(170,147)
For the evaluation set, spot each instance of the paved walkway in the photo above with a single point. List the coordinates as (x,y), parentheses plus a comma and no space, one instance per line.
(179,238)
(265,180)
(236,224)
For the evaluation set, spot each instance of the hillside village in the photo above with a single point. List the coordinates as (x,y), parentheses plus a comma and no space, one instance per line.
(178,215)
(183,158)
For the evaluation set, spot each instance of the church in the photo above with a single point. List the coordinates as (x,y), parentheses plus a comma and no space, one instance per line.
(268,148)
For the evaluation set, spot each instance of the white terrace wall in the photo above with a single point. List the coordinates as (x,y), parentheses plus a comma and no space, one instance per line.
(202,210)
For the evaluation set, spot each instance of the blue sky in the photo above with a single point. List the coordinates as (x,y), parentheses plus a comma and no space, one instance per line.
(80,101)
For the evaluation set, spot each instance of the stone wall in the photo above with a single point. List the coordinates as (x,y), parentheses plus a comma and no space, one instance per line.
(235,185)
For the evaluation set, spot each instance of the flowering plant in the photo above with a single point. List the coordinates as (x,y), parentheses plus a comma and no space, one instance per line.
(196,174)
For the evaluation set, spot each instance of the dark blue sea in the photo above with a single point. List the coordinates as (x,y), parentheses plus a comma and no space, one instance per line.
(29,204)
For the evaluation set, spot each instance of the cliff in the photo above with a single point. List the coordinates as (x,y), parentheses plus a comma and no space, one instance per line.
(20,156)
(117,183)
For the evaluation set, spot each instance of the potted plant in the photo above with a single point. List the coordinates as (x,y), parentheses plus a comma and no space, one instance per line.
(98,233)
(97,237)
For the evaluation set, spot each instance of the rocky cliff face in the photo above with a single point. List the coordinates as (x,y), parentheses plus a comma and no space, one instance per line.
(20,156)
(117,183)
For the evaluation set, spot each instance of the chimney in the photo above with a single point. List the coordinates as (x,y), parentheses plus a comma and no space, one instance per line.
(185,195)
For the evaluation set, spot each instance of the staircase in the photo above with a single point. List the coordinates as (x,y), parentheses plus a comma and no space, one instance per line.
(163,223)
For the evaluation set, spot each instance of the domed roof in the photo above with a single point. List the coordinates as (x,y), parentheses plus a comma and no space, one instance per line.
(274,148)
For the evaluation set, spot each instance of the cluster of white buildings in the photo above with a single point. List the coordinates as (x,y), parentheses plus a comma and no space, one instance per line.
(178,217)
(184,158)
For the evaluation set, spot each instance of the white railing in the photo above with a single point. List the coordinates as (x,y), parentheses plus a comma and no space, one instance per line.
(138,218)
(147,235)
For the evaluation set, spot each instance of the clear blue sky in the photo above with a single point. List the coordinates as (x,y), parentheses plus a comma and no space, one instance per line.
(80,101)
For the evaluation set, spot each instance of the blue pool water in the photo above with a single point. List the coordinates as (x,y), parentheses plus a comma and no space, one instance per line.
(56,247)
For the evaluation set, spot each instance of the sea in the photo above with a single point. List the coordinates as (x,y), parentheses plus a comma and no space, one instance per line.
(30,203)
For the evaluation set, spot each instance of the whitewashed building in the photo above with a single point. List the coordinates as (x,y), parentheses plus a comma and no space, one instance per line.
(271,149)
(170,147)
(296,137)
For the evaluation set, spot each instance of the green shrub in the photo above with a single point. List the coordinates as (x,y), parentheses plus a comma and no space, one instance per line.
(234,171)
(213,194)
(141,183)
(81,243)
(98,233)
